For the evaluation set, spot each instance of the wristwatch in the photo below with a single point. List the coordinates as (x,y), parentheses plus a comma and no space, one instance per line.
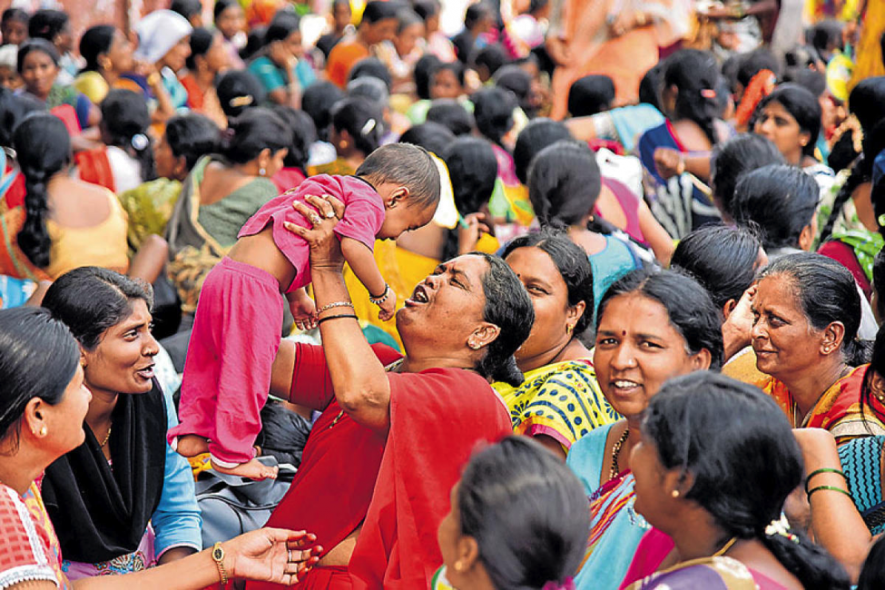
(218,556)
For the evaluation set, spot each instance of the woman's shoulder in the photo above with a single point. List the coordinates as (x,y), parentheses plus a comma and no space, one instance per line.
(25,554)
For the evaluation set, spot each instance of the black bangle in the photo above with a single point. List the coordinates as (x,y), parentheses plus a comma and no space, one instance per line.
(336,317)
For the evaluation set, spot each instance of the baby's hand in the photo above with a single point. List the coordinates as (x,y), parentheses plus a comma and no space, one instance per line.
(388,307)
(304,311)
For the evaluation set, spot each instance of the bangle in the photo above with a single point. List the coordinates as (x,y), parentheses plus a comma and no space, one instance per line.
(833,488)
(337,317)
(824,470)
(381,298)
(154,79)
(218,557)
(334,305)
(641,19)
(680,168)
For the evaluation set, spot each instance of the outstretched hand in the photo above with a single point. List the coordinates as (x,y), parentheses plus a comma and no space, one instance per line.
(323,213)
(272,555)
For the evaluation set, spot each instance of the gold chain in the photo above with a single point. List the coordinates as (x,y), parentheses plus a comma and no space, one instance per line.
(616,451)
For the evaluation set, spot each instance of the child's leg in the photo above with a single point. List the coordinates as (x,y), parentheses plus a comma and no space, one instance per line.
(252,318)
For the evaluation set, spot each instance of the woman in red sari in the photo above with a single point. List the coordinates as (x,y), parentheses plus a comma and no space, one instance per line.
(374,480)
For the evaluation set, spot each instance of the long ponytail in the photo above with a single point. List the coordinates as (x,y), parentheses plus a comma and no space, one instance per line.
(696,77)
(125,121)
(43,147)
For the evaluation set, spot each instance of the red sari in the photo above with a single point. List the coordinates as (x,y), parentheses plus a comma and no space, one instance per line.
(396,487)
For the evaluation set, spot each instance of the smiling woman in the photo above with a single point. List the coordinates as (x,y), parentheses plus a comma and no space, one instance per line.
(122,500)
(650,327)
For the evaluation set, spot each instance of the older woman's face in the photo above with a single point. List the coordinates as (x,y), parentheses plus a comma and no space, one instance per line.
(784,342)
(123,361)
(38,73)
(446,306)
(549,294)
(176,57)
(637,349)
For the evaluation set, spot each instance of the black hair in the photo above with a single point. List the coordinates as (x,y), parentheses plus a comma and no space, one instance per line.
(370,88)
(519,82)
(377,10)
(283,24)
(433,137)
(781,200)
(89,300)
(752,63)
(473,170)
(826,33)
(239,90)
(509,307)
(47,24)
(493,111)
(317,101)
(254,131)
(14,108)
(405,164)
(650,86)
(738,446)
(201,42)
(694,74)
(29,337)
(423,74)
(803,106)
(689,307)
(362,119)
(186,8)
(221,6)
(537,135)
(564,183)
(426,8)
(406,17)
(811,80)
(865,101)
(827,293)
(192,136)
(451,114)
(371,67)
(15,14)
(492,56)
(254,42)
(43,148)
(303,135)
(879,283)
(872,575)
(32,45)
(547,541)
(125,120)
(590,95)
(735,157)
(475,13)
(877,366)
(722,258)
(456,67)
(572,263)
(95,41)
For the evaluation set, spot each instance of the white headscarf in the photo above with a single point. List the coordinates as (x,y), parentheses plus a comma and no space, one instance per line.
(158,32)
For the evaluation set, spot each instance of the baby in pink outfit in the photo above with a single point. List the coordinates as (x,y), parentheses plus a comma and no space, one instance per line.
(236,331)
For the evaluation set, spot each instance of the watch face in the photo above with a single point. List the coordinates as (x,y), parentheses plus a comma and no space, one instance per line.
(218,553)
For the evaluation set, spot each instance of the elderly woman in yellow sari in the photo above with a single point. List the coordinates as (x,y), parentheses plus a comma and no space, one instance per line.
(560,401)
(806,315)
(618,38)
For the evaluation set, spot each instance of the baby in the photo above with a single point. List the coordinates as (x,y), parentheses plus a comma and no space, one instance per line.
(236,331)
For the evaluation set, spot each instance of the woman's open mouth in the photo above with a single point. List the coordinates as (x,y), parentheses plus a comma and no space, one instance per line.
(147,373)
(419,297)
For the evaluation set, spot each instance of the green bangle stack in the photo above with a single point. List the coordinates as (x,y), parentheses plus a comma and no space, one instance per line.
(832,488)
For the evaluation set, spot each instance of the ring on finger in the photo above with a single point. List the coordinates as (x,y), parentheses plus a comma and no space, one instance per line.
(315,219)
(330,214)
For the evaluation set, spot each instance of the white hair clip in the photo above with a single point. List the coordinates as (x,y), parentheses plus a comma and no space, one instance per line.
(368,127)
(140,141)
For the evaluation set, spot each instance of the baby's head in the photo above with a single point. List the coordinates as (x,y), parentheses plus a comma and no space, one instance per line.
(407,178)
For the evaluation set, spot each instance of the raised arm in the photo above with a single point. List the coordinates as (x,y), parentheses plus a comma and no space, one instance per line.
(358,378)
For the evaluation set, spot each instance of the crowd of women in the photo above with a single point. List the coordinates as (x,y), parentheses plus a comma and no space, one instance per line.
(637,345)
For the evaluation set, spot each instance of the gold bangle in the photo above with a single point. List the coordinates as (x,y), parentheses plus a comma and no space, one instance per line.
(218,556)
(334,305)
(154,79)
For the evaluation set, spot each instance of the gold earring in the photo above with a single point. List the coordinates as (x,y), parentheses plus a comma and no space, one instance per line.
(43,430)
(675,493)
(474,346)
(458,566)
(568,328)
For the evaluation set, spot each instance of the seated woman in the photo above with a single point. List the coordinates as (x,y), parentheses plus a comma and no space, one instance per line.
(230,20)
(281,67)
(564,183)
(108,55)
(680,200)
(559,402)
(219,195)
(357,127)
(124,500)
(38,68)
(713,470)
(207,60)
(649,328)
(806,315)
(64,223)
(127,159)
(46,405)
(473,170)
(521,539)
(731,160)
(396,429)
(187,138)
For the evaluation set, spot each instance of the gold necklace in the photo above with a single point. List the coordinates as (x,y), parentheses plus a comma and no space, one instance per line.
(107,437)
(616,451)
(725,547)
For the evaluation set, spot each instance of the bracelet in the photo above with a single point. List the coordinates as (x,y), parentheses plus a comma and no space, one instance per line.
(337,317)
(154,79)
(334,305)
(381,298)
(833,488)
(824,470)
(218,557)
